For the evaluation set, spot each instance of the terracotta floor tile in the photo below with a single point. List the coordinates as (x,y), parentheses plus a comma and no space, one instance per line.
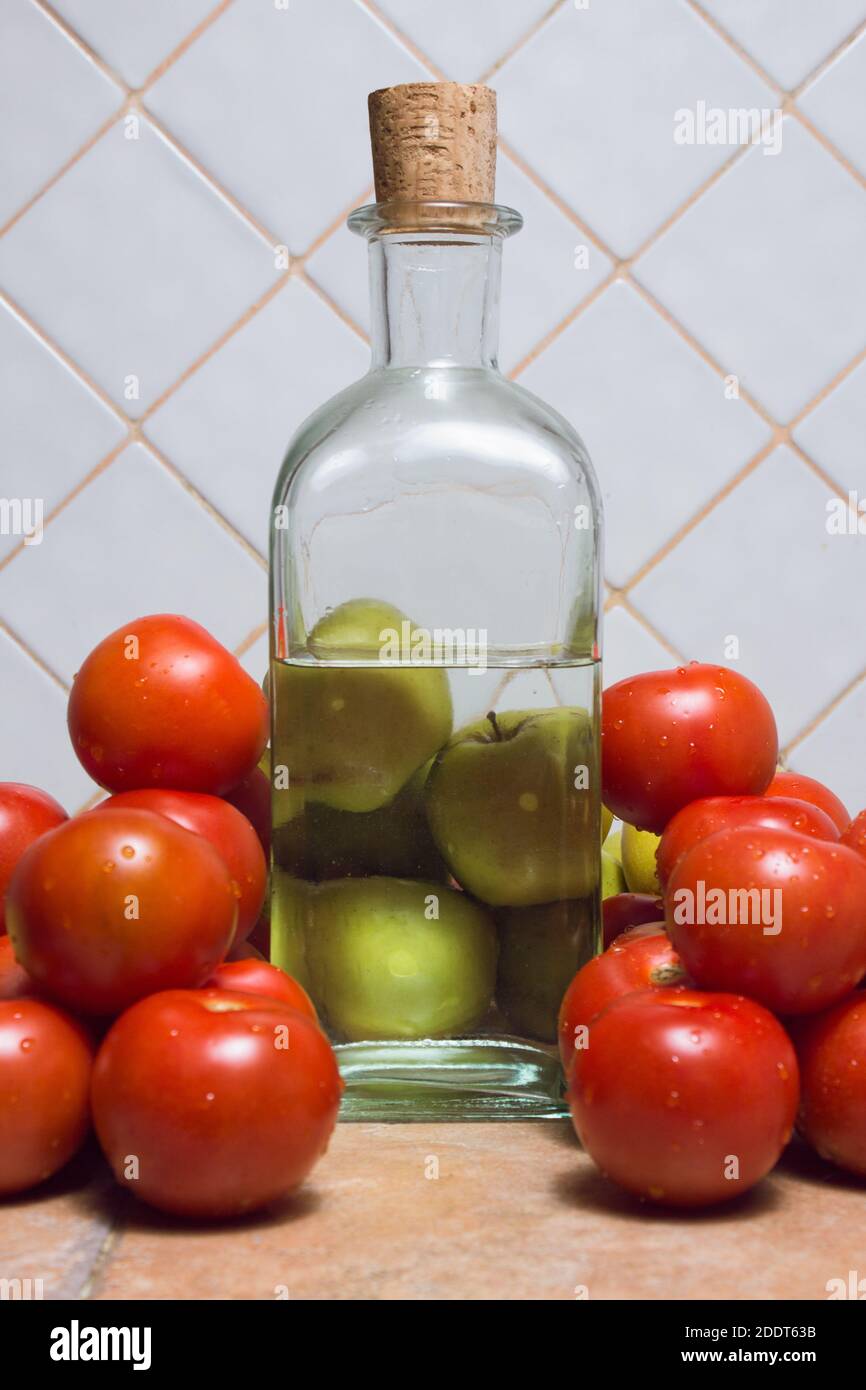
(516,1212)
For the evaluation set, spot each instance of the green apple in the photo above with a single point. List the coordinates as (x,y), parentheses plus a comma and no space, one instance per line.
(289,900)
(612,876)
(505,812)
(397,958)
(639,860)
(541,949)
(351,730)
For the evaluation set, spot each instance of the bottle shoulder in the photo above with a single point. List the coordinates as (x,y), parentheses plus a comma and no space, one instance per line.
(470,423)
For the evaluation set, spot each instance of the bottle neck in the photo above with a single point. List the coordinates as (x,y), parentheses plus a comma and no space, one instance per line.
(435,300)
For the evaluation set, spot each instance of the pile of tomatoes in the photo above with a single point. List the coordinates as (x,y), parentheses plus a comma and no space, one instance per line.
(130,1001)
(694,1044)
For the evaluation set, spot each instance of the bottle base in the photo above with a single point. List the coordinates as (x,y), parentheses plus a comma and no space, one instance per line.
(451,1079)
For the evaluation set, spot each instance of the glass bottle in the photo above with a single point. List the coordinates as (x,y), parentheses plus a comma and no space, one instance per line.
(434,674)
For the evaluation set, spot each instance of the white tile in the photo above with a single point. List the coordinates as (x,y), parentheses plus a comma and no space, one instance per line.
(227,427)
(590,103)
(762,567)
(767,270)
(133,36)
(833,433)
(788,40)
(133,265)
(837,102)
(662,435)
(835,751)
(464,41)
(547,269)
(34,743)
(52,99)
(133,542)
(629,648)
(54,428)
(292,143)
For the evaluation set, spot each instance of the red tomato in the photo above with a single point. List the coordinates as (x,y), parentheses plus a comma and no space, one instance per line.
(807,789)
(159,703)
(229,832)
(45,1063)
(803,943)
(831,1048)
(624,910)
(683,1097)
(225,1100)
(854,835)
(669,737)
(641,958)
(25,814)
(15,983)
(117,904)
(703,818)
(258,977)
(252,797)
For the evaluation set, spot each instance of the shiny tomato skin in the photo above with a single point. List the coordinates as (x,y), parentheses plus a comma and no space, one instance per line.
(226,1099)
(854,835)
(639,959)
(15,983)
(669,737)
(804,788)
(253,976)
(831,1049)
(706,817)
(252,797)
(45,1064)
(114,905)
(820,952)
(225,827)
(25,814)
(160,703)
(675,1084)
(623,910)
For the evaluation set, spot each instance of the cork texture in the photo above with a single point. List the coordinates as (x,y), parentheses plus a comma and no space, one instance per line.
(434,141)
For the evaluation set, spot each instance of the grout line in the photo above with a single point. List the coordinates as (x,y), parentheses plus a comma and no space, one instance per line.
(828,390)
(816,468)
(522,41)
(270,293)
(825,63)
(827,144)
(625,602)
(171,58)
(316,288)
(81,44)
(204,503)
(823,714)
(64,168)
(743,53)
(37,660)
(387,23)
(105,462)
(699,516)
(559,328)
(250,640)
(210,179)
(55,348)
(553,197)
(101,1260)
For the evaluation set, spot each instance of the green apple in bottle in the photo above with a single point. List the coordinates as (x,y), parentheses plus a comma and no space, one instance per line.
(511,809)
(353,729)
(541,949)
(397,958)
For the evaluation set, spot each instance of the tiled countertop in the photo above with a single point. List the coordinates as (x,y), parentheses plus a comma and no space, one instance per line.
(516,1212)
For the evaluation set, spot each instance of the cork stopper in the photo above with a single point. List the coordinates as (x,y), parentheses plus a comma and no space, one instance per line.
(434,141)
